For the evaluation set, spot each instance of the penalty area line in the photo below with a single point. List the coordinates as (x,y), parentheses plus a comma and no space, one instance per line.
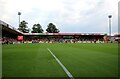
(64,68)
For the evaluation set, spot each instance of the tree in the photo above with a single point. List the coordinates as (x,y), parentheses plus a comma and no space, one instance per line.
(52,28)
(37,28)
(23,27)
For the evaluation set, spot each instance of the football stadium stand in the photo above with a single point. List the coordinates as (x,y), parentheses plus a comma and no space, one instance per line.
(11,35)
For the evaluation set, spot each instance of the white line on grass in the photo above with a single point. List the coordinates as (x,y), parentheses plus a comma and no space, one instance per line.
(64,68)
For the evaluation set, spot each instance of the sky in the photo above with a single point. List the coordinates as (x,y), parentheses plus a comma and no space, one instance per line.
(70,16)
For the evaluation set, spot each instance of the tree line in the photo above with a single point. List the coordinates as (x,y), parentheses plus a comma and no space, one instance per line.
(37,28)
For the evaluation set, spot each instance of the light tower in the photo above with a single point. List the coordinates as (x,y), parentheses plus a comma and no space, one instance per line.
(19,13)
(110,16)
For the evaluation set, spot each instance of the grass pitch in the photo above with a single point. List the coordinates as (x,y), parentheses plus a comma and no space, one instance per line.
(82,60)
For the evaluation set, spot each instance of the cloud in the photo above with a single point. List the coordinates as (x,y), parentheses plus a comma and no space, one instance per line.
(67,15)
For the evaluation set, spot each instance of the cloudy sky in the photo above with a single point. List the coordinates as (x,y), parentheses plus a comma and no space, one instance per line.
(83,16)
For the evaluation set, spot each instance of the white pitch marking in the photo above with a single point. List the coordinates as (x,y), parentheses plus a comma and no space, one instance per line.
(64,68)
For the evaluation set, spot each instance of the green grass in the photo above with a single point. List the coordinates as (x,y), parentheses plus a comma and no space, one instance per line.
(82,60)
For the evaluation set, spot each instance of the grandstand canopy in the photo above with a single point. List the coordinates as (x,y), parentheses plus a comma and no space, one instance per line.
(6,28)
(69,34)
